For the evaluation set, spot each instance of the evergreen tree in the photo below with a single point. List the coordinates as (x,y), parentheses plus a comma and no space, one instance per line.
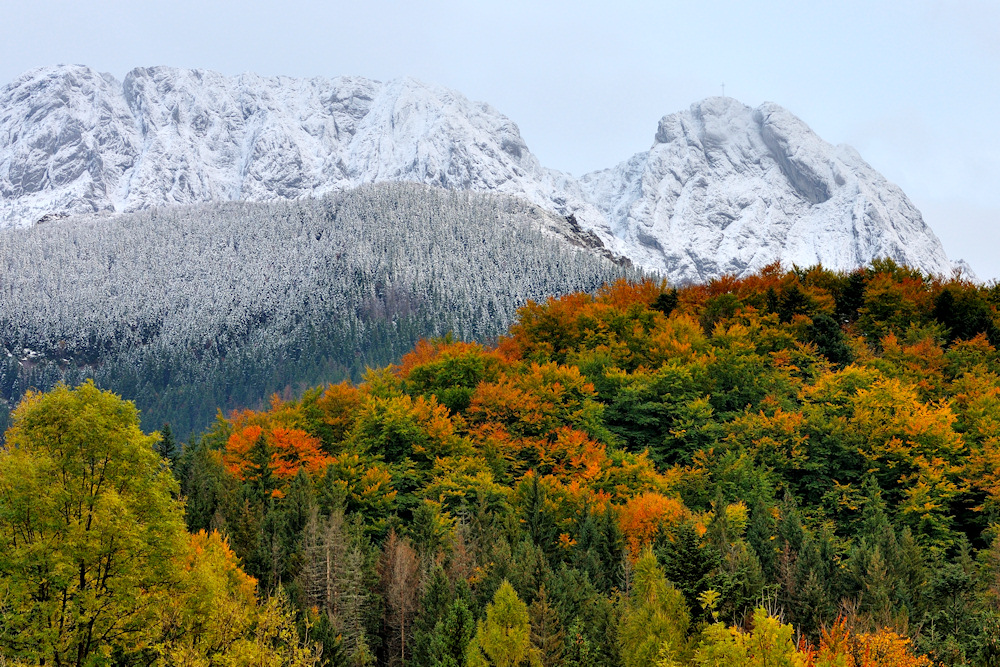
(435,604)
(537,520)
(259,481)
(666,302)
(203,481)
(453,633)
(594,617)
(332,579)
(297,508)
(503,637)
(814,602)
(529,570)
(829,339)
(760,536)
(599,547)
(167,446)
(689,561)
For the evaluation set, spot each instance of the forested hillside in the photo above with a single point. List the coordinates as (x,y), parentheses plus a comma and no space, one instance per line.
(187,310)
(795,468)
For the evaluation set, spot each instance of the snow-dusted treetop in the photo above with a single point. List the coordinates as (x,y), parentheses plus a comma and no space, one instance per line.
(724,188)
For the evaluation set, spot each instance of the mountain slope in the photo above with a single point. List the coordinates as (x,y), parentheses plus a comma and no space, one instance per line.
(191,308)
(724,188)
(729,189)
(75,141)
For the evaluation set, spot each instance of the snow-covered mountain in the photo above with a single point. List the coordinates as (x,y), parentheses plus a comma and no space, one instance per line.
(729,189)
(724,188)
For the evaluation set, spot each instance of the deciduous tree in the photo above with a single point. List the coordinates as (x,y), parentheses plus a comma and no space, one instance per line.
(88,528)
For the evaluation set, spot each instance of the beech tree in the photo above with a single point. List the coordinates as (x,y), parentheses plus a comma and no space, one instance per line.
(88,529)
(217,619)
(589,439)
(769,644)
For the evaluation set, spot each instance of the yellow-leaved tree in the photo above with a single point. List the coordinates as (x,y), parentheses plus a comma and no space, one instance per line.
(95,565)
(503,638)
(770,644)
(88,529)
(653,626)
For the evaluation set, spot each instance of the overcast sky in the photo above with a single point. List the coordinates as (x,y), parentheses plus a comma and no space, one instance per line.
(914,85)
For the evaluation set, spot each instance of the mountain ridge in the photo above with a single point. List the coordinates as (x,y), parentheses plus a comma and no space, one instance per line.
(723,189)
(746,186)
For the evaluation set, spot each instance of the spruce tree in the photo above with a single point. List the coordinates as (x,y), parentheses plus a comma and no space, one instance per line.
(435,603)
(167,447)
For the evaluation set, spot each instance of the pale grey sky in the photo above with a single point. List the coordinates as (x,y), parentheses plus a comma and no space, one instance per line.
(914,85)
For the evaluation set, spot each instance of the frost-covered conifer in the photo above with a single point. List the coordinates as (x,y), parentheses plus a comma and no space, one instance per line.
(187,309)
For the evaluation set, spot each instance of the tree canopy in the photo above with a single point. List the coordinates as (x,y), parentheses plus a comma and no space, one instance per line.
(88,527)
(95,564)
(796,467)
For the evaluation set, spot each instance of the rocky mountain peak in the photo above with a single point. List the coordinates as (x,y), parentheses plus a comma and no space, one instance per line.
(724,188)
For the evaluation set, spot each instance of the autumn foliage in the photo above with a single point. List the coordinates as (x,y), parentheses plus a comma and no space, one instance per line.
(826,444)
(884,648)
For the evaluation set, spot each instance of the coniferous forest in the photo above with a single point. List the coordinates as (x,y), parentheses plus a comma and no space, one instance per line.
(187,310)
(794,468)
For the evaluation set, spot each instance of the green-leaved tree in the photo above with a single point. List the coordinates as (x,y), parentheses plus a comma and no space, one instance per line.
(503,638)
(88,529)
(654,625)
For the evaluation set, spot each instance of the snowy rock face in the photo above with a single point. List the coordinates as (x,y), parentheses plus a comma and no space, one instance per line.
(75,141)
(67,138)
(730,189)
(724,189)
